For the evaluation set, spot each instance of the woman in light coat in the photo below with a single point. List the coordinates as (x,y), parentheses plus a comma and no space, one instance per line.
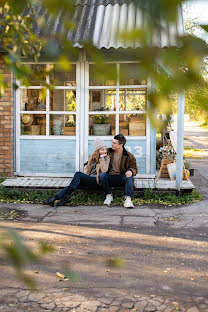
(97,162)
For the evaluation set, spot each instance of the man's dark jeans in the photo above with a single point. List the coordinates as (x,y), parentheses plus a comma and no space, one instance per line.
(79,181)
(107,180)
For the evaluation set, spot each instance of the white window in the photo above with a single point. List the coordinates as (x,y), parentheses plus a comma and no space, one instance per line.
(54,113)
(117,100)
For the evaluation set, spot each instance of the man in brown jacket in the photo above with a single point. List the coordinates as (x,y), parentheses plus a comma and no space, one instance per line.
(121,170)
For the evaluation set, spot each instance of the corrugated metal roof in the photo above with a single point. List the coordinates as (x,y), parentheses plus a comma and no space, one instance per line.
(102,21)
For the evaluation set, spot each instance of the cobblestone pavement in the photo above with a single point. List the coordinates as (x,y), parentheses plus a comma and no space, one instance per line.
(113,301)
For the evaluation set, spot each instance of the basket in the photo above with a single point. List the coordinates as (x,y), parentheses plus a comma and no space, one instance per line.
(101,129)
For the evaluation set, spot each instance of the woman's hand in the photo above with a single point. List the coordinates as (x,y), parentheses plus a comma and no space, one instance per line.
(103,155)
(128,173)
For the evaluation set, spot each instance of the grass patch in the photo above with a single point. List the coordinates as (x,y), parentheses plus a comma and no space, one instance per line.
(96,198)
(190,152)
(2,180)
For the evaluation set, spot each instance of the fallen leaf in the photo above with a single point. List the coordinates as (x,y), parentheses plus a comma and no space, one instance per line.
(175,303)
(192,279)
(60,275)
(70,252)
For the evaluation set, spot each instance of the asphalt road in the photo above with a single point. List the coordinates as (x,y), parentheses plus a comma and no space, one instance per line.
(195,136)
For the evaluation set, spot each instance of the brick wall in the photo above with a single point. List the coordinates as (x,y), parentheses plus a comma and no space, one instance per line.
(6,125)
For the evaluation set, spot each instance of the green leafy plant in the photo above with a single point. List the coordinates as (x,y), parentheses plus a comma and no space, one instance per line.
(101,119)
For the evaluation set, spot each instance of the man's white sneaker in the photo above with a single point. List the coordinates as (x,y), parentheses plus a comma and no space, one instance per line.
(128,203)
(108,199)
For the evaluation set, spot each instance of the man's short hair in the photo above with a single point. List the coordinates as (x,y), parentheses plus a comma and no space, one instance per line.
(121,139)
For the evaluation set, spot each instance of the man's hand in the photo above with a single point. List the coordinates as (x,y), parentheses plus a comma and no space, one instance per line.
(128,174)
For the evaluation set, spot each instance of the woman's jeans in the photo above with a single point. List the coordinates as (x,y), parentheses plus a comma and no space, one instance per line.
(80,180)
(107,180)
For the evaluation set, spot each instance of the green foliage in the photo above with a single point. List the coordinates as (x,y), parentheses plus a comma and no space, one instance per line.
(101,119)
(15,195)
(93,198)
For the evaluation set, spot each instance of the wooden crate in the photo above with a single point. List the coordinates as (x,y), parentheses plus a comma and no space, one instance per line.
(135,132)
(43,129)
(69,131)
(34,129)
(123,130)
(137,119)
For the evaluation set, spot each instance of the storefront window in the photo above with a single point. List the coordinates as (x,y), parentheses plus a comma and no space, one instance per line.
(131,74)
(62,99)
(62,124)
(102,76)
(31,100)
(128,103)
(33,124)
(39,73)
(132,99)
(132,124)
(102,125)
(102,100)
(60,78)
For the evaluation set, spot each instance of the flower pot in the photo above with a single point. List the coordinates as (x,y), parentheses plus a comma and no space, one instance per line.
(101,129)
(191,172)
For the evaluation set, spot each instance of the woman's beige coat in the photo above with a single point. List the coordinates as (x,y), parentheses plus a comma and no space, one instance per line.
(102,166)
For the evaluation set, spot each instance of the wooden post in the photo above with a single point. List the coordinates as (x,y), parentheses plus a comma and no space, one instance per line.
(180,139)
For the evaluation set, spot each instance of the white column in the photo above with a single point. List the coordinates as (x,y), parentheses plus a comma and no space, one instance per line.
(180,139)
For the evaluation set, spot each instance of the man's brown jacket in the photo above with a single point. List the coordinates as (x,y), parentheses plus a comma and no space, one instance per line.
(128,162)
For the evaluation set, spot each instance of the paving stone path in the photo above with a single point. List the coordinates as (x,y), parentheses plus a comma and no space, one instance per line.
(19,300)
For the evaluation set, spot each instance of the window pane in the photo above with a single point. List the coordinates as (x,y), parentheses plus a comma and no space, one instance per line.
(131,74)
(101,124)
(33,124)
(30,99)
(124,124)
(61,78)
(63,100)
(137,125)
(62,124)
(102,100)
(132,99)
(39,73)
(102,76)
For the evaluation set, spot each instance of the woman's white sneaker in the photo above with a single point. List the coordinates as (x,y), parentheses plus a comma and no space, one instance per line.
(108,199)
(128,203)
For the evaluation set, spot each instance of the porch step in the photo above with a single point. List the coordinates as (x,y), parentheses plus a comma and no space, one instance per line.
(59,183)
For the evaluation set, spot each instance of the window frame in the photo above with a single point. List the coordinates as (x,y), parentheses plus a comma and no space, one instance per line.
(118,87)
(47,112)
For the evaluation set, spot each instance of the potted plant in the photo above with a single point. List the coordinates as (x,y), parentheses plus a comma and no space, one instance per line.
(101,125)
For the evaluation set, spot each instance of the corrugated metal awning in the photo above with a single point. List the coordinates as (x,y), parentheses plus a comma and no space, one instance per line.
(102,21)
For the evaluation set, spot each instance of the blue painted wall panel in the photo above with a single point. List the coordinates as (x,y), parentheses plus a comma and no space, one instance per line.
(137,148)
(47,156)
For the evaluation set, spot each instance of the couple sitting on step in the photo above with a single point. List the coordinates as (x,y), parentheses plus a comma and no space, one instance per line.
(105,168)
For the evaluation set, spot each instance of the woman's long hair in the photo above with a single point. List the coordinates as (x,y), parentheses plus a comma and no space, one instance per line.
(95,157)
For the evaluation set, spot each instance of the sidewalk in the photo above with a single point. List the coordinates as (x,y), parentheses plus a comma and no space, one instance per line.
(163,250)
